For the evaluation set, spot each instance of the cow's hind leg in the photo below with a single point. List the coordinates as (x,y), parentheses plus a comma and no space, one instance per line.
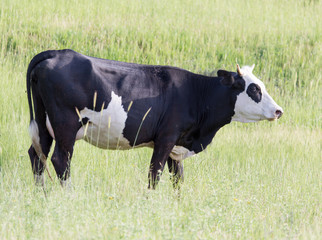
(61,160)
(176,171)
(37,164)
(41,142)
(65,135)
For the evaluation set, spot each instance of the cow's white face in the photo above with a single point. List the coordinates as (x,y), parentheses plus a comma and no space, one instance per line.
(254,103)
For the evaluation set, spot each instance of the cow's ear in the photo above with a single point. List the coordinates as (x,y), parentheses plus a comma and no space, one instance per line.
(227,78)
(228,81)
(239,83)
(223,73)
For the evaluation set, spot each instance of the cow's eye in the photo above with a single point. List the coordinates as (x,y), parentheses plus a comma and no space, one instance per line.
(254,92)
(253,88)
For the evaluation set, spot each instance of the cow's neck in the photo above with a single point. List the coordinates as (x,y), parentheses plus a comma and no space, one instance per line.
(211,106)
(215,104)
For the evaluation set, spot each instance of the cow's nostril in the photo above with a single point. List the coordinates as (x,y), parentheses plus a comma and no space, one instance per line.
(278,113)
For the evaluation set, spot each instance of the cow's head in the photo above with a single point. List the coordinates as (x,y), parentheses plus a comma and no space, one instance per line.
(253,103)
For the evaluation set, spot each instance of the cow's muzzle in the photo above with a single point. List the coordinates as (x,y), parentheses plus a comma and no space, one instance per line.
(278,113)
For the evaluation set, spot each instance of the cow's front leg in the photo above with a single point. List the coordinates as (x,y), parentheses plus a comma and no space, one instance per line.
(160,155)
(176,171)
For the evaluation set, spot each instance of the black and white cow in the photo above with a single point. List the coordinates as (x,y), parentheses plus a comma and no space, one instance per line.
(117,105)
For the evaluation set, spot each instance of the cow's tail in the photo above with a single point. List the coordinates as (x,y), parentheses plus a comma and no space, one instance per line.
(33,126)
(33,63)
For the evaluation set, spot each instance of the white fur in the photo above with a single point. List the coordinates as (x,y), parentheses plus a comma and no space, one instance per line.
(105,128)
(49,127)
(34,134)
(179,153)
(246,109)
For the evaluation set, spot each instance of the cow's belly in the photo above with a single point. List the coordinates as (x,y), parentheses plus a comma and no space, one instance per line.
(106,138)
(110,138)
(103,137)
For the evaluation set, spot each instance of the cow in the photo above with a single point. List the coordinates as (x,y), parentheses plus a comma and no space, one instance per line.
(118,105)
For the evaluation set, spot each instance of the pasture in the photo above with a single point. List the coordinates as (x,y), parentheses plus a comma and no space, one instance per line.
(255,181)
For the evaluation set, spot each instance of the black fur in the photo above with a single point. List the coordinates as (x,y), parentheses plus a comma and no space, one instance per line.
(187,109)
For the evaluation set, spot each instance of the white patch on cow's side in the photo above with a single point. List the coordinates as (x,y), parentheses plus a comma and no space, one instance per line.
(246,109)
(105,128)
(179,153)
(80,133)
(39,180)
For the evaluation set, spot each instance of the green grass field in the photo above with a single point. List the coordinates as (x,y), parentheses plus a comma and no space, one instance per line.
(255,181)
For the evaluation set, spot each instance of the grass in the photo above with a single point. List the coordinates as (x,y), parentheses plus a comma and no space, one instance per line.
(255,181)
